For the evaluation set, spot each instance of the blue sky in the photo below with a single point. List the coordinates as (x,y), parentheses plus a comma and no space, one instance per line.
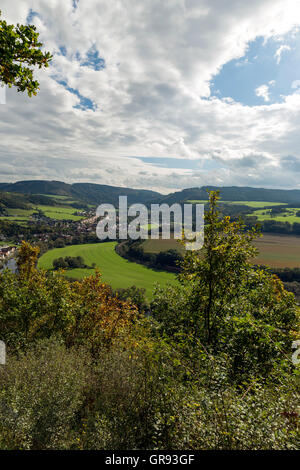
(159,94)
(239,78)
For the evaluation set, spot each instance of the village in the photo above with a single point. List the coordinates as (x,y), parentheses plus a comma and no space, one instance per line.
(48,233)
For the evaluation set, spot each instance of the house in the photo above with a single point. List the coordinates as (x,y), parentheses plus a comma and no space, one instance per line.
(6,251)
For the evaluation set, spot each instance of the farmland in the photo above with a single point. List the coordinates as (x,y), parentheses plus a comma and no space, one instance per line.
(278,251)
(18,215)
(60,212)
(288,215)
(115,270)
(155,246)
(53,212)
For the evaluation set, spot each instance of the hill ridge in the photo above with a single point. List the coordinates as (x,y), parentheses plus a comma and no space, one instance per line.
(96,193)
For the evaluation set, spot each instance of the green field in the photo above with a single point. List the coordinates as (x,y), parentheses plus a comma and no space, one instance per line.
(288,216)
(116,271)
(244,203)
(55,196)
(61,199)
(54,212)
(18,215)
(60,213)
(149,226)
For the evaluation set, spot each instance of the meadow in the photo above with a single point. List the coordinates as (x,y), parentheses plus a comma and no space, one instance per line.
(53,212)
(61,199)
(289,215)
(116,271)
(18,215)
(60,212)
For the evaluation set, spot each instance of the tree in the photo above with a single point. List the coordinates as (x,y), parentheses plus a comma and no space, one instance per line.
(59,263)
(220,271)
(135,295)
(169,258)
(27,260)
(35,304)
(226,305)
(20,51)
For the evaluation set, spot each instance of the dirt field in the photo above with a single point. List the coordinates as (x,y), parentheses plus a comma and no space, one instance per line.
(278,251)
(155,246)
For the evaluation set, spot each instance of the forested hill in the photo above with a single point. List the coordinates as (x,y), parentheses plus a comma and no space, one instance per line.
(22,201)
(87,192)
(99,193)
(234,193)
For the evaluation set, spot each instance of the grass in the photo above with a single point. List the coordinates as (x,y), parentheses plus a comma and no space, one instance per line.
(20,212)
(55,196)
(288,216)
(149,226)
(61,199)
(60,213)
(116,271)
(54,212)
(18,215)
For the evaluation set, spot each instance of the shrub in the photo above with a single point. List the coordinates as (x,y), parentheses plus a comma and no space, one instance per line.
(41,395)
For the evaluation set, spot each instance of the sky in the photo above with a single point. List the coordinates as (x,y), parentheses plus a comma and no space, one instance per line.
(158,94)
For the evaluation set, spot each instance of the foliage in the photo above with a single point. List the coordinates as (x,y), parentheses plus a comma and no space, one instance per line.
(98,317)
(209,369)
(115,270)
(71,262)
(41,393)
(227,305)
(136,295)
(20,51)
(133,396)
(27,260)
(35,305)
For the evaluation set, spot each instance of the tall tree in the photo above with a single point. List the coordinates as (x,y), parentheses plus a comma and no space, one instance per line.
(20,52)
(228,306)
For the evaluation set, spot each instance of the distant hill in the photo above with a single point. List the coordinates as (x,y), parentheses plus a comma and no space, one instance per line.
(87,192)
(37,187)
(98,193)
(21,201)
(234,193)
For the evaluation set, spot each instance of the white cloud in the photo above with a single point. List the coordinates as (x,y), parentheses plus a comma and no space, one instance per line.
(280,51)
(153,97)
(296,86)
(263,92)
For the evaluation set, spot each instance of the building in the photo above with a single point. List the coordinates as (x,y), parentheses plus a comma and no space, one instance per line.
(6,251)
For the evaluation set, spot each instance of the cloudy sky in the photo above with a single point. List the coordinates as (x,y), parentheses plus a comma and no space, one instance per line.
(160,94)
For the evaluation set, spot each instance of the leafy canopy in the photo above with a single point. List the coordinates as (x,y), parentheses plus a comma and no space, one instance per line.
(35,305)
(19,53)
(228,306)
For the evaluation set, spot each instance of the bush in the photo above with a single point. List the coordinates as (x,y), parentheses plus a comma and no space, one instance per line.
(41,396)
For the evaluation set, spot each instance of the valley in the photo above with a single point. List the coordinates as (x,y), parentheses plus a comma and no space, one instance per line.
(59,218)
